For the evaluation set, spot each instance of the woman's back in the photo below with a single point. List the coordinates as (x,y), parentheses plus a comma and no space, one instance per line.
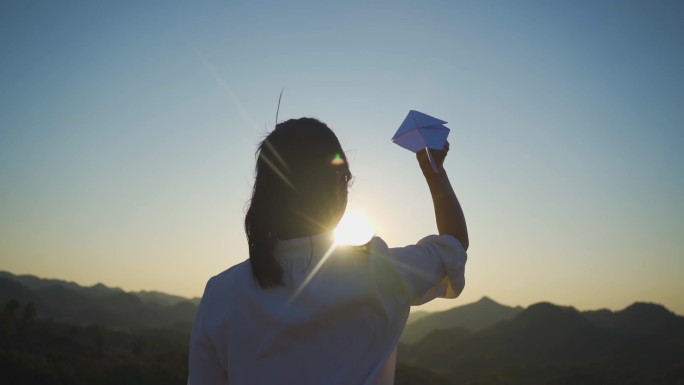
(336,320)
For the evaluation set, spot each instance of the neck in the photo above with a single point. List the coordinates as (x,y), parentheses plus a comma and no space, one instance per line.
(302,224)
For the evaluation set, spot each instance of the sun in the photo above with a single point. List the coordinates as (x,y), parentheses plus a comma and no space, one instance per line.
(354,229)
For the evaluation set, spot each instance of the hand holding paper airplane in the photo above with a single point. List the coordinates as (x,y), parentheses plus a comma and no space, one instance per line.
(429,159)
(421,131)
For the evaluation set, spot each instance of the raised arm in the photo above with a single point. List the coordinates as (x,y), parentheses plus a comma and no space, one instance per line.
(448,212)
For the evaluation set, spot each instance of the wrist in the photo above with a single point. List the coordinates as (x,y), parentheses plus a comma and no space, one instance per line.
(432,177)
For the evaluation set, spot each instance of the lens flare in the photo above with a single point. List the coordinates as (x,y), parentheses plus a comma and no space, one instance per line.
(354,229)
(337,161)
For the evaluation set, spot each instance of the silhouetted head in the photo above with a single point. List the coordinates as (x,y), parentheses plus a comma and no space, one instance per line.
(300,189)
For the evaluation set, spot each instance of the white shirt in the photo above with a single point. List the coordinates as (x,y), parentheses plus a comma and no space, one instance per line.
(337,319)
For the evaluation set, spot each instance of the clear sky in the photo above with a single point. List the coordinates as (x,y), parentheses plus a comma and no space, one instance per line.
(128,130)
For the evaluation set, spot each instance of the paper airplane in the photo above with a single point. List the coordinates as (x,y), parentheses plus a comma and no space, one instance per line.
(421,131)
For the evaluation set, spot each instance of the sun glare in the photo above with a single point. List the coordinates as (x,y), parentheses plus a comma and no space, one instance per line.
(354,229)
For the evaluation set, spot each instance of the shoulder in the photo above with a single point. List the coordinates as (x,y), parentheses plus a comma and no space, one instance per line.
(377,243)
(375,246)
(234,272)
(228,280)
(364,257)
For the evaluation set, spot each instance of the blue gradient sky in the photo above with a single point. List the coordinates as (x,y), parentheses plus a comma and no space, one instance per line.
(128,130)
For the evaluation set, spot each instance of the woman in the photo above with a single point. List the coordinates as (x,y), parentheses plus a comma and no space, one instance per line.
(301,310)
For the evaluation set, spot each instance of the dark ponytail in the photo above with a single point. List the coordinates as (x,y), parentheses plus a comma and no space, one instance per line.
(261,239)
(301,172)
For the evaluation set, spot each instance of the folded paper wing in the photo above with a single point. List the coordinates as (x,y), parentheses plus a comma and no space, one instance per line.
(419,131)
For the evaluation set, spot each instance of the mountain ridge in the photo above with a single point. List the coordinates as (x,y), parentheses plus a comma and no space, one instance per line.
(472,316)
(483,342)
(35,282)
(98,304)
(547,343)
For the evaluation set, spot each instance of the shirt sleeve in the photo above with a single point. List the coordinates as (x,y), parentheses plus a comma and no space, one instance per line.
(434,267)
(204,367)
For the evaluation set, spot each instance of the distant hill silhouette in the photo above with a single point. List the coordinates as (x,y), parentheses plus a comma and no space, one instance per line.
(96,291)
(474,316)
(416,315)
(163,298)
(546,343)
(478,343)
(640,318)
(98,304)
